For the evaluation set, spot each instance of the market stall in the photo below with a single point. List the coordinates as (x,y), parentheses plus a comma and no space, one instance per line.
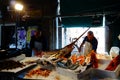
(49,67)
(53,65)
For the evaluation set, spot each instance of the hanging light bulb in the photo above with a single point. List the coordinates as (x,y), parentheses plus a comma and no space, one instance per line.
(18,6)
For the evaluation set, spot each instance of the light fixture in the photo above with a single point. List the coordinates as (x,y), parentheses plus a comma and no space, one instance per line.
(18,6)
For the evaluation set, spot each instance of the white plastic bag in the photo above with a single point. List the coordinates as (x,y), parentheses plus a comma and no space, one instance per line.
(114,51)
(87,48)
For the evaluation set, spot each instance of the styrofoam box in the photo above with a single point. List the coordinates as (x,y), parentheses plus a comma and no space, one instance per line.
(100,72)
(74,76)
(66,72)
(107,74)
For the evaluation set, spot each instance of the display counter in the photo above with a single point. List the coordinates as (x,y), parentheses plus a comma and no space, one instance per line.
(42,74)
(11,67)
(43,68)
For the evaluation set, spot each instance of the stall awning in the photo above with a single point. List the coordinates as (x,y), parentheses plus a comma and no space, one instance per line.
(88,21)
(76,7)
(81,7)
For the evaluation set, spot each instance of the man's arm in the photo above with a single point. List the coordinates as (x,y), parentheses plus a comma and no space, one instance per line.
(94,46)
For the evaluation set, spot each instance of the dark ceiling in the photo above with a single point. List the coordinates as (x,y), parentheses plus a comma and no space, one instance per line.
(40,8)
(76,7)
(32,8)
(29,4)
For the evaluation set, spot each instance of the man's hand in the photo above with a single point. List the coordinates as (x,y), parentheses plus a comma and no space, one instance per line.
(79,49)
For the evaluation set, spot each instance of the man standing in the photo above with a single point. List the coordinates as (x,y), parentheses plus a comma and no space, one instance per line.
(89,42)
(38,42)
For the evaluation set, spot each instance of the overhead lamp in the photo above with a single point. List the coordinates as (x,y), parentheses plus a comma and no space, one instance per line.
(18,6)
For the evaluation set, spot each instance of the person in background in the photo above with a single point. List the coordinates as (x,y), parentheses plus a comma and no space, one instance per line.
(119,41)
(38,42)
(90,43)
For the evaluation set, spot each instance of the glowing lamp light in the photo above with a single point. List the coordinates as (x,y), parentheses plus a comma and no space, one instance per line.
(19,7)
